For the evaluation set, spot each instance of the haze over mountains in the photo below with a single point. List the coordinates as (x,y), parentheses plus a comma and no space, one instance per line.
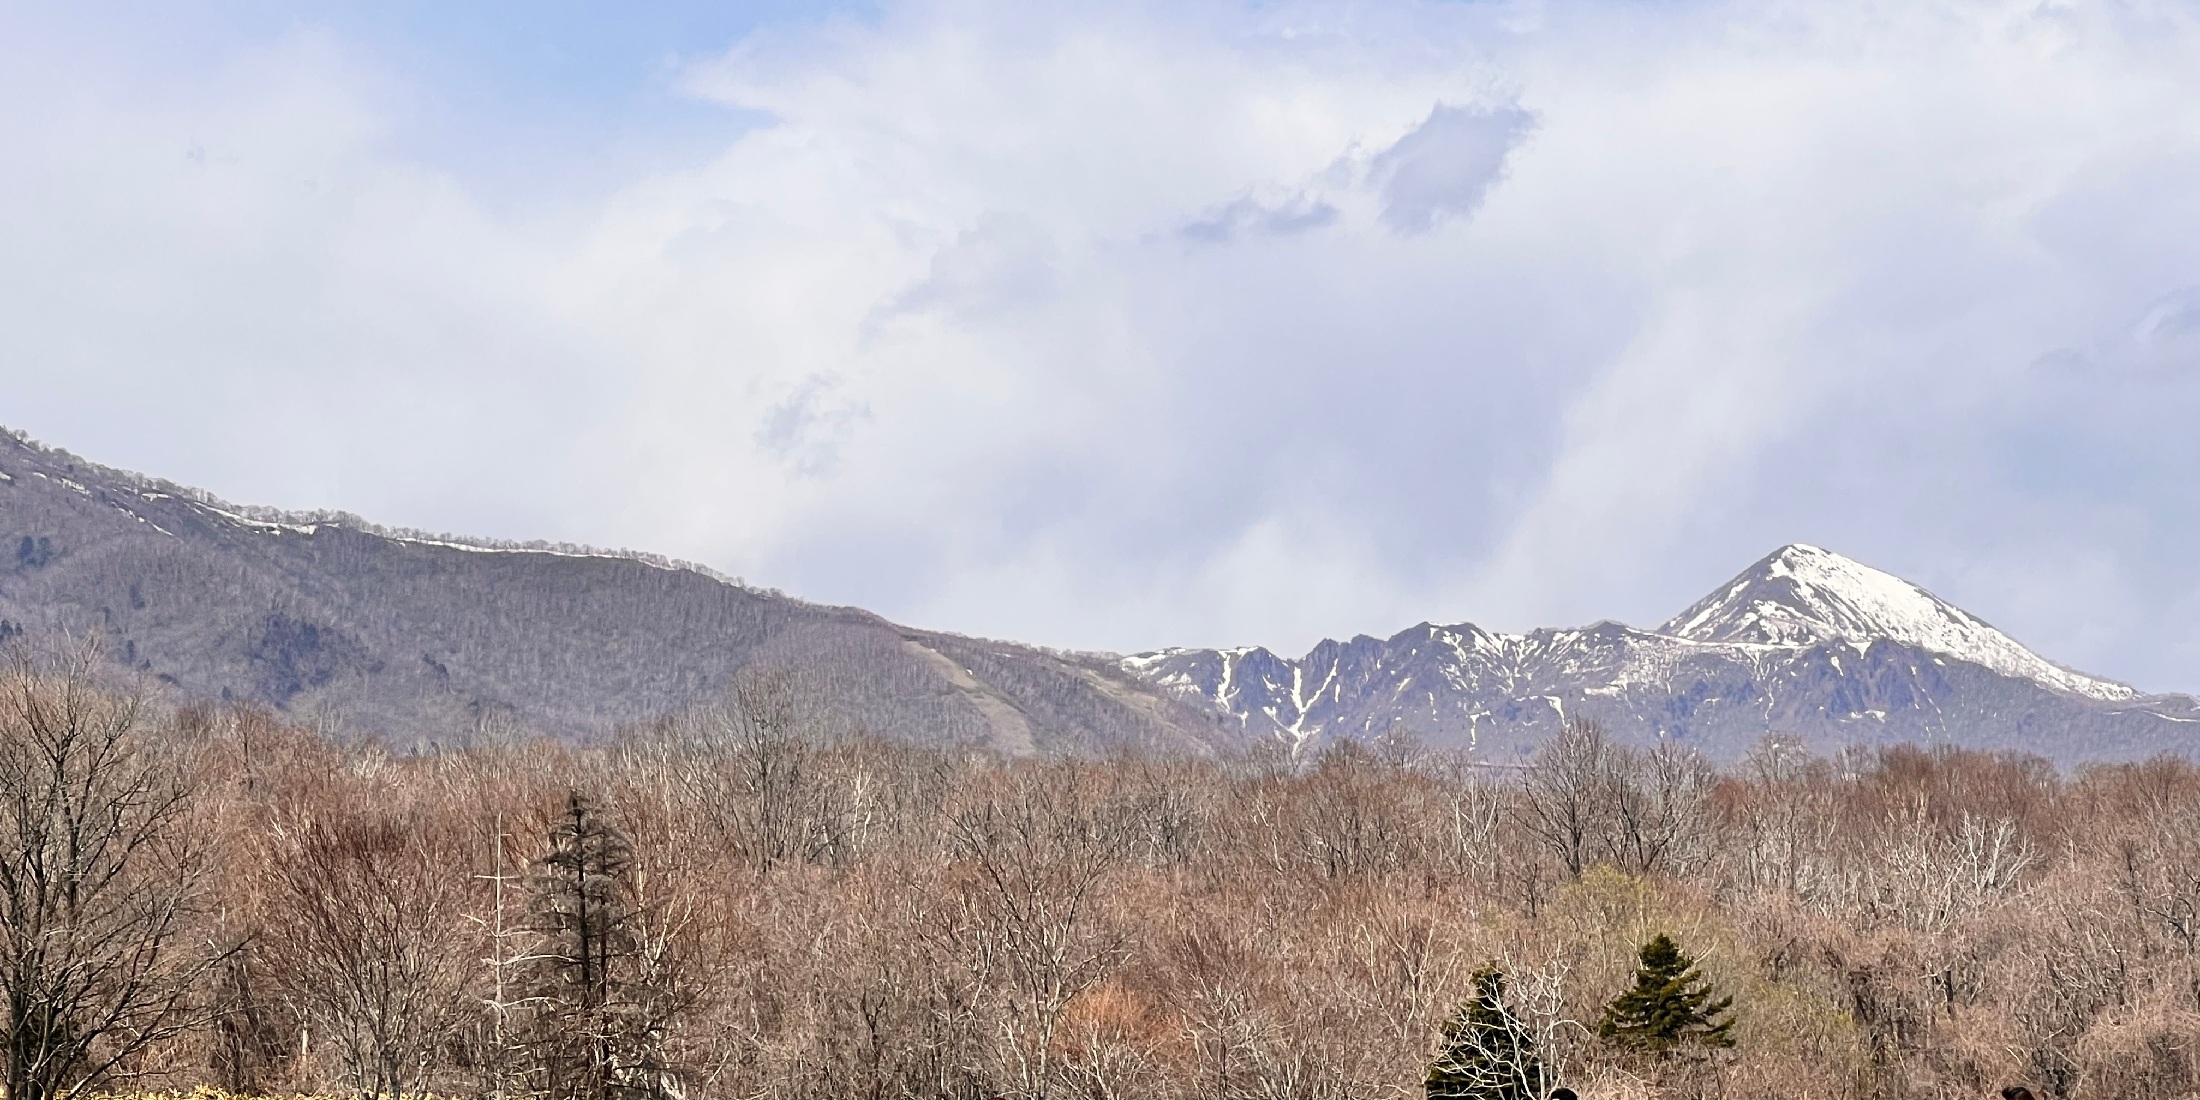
(330,618)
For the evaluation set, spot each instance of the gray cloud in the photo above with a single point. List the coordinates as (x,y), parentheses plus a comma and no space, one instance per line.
(1446,166)
(808,428)
(1249,216)
(2167,337)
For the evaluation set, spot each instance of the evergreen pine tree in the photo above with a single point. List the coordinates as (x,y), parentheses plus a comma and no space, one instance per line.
(598,1018)
(1669,1005)
(1486,1055)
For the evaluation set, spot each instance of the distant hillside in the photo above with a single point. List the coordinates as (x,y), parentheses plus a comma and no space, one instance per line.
(418,637)
(1806,643)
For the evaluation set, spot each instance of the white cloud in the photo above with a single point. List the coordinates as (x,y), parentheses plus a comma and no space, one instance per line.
(1130,325)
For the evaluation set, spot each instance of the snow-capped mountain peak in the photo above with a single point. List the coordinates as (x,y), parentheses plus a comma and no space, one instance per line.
(1805,643)
(1803,595)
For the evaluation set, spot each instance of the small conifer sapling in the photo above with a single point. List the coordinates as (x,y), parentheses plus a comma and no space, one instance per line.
(1486,1054)
(1669,1006)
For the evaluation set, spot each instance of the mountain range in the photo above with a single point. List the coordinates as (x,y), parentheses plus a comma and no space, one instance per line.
(1804,643)
(419,637)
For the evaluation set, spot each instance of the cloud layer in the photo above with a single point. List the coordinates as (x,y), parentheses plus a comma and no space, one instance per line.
(1135,325)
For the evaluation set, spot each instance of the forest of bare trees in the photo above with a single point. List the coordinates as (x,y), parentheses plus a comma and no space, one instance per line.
(743,902)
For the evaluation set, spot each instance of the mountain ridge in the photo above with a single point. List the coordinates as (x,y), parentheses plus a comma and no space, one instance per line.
(1805,642)
(420,636)
(405,635)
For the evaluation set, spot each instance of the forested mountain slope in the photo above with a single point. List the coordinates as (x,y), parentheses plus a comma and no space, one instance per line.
(415,637)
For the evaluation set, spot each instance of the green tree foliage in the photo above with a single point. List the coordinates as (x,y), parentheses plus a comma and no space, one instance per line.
(1670,1005)
(1487,1054)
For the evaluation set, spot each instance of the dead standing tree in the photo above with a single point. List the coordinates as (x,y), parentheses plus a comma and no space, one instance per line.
(100,885)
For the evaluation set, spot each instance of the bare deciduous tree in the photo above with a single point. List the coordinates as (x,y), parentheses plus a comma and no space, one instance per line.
(101,877)
(1568,793)
(752,764)
(1659,805)
(940,924)
(1025,922)
(367,933)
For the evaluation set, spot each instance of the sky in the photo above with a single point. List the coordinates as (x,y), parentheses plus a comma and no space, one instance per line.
(1126,325)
